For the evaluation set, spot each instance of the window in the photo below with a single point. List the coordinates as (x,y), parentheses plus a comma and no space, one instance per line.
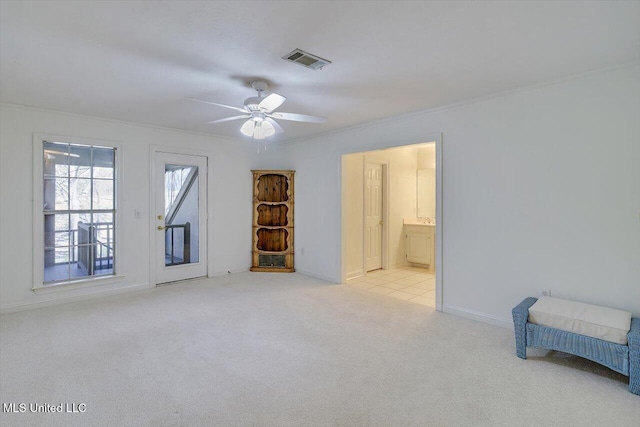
(79,211)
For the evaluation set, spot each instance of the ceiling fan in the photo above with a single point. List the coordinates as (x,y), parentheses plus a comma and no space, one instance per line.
(260,113)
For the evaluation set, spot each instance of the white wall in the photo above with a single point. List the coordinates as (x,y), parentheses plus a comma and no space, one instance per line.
(427,193)
(541,191)
(230,221)
(353,168)
(427,156)
(426,178)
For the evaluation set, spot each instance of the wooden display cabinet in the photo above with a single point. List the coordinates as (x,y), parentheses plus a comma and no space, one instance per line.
(273,221)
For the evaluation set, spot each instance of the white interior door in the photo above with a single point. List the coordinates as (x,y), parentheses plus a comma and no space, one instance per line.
(180,216)
(373,216)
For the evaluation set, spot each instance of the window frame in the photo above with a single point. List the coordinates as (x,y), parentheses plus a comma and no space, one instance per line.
(38,285)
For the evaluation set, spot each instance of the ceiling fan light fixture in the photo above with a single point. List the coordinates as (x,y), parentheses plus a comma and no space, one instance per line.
(258,132)
(248,127)
(258,128)
(267,128)
(260,114)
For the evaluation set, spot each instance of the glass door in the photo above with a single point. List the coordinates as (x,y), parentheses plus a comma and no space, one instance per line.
(180,217)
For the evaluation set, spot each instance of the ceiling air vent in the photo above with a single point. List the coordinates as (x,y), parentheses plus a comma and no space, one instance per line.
(306,59)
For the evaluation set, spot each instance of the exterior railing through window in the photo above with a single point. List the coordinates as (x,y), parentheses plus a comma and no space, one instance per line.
(170,238)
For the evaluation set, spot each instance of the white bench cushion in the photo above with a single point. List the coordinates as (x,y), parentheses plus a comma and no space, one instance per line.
(604,323)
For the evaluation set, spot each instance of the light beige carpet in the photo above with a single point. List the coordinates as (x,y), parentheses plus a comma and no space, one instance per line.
(256,349)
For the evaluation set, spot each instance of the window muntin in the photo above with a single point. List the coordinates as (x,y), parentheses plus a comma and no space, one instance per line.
(79,211)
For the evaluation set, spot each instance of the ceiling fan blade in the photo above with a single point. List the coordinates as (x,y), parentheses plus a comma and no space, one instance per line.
(275,125)
(272,102)
(228,119)
(248,127)
(298,117)
(242,110)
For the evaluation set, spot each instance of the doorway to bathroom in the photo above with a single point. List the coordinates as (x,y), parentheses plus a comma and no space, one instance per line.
(390,222)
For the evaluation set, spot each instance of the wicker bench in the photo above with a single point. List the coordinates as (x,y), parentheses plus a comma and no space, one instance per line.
(624,359)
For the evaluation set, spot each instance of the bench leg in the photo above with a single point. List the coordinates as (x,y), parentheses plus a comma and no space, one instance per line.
(520,315)
(634,356)
(521,340)
(634,384)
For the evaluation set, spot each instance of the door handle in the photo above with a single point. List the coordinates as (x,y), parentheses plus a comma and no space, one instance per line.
(160,227)
(381,222)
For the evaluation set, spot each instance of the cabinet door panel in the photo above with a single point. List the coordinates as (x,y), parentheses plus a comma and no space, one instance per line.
(272,215)
(418,248)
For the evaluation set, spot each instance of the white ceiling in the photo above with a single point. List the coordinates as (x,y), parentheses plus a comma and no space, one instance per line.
(140,61)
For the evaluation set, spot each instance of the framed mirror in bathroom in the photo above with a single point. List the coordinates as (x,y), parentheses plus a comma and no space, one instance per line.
(426,194)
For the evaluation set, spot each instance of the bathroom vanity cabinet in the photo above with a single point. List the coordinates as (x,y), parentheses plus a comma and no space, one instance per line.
(420,244)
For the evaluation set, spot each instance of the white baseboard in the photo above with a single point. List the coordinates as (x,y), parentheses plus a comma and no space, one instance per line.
(354,274)
(224,273)
(317,275)
(478,316)
(400,264)
(64,300)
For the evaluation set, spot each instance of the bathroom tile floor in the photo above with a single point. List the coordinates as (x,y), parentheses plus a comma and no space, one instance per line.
(413,284)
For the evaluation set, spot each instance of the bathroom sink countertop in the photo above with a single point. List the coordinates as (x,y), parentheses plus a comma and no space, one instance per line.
(418,222)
